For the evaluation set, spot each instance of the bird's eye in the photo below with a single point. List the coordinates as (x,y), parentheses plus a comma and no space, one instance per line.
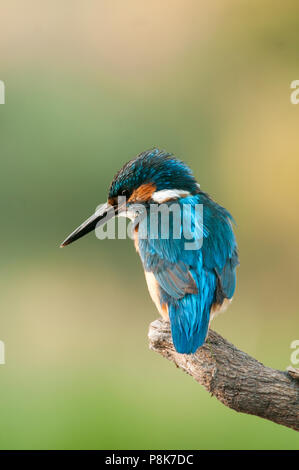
(125,193)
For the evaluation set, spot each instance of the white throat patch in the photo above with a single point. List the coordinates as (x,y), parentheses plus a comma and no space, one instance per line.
(167,194)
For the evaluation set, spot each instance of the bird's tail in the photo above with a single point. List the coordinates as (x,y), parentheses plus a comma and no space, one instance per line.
(189,326)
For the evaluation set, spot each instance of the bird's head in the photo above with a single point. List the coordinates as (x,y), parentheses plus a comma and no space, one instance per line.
(153,176)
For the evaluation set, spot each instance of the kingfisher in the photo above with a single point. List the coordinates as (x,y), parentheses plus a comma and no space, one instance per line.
(188,282)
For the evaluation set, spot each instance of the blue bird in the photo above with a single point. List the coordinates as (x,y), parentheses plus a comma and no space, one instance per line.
(190,276)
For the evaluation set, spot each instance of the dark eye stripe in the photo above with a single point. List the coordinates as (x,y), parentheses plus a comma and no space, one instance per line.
(125,193)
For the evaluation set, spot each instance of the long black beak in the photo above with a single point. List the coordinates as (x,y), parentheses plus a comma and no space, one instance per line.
(101,216)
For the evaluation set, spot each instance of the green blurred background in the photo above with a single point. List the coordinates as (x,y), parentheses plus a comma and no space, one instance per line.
(88,86)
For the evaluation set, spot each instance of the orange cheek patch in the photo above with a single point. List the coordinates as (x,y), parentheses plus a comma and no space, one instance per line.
(143,193)
(112,201)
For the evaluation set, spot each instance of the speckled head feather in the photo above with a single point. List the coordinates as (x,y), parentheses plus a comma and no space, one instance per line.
(154,166)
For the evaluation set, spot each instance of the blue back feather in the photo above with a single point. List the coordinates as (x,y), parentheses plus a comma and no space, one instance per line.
(191,281)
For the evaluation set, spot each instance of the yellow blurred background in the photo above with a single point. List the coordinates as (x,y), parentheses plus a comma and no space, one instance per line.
(88,86)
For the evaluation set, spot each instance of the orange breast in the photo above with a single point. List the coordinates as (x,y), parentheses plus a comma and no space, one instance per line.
(136,244)
(152,284)
(154,291)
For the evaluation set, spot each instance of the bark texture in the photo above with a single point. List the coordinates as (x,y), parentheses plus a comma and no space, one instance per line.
(236,379)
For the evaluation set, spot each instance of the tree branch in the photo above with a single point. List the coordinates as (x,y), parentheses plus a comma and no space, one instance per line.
(236,379)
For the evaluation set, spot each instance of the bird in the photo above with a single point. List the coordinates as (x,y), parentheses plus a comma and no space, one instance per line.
(189,286)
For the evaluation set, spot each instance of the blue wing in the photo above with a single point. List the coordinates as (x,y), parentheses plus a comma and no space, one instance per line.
(192,280)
